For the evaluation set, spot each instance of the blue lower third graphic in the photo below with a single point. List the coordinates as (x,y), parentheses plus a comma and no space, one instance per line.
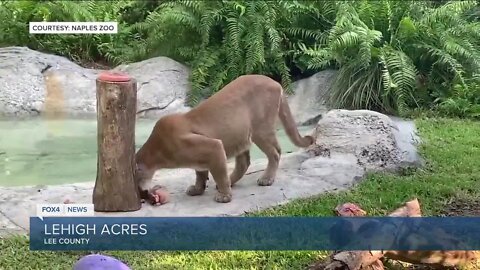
(254,233)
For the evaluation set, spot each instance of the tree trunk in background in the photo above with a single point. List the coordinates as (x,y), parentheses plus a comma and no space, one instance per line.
(115,188)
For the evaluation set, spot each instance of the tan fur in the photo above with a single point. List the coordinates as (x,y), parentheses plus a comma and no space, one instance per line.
(224,126)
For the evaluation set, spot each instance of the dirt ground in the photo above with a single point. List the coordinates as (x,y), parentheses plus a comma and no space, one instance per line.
(462,208)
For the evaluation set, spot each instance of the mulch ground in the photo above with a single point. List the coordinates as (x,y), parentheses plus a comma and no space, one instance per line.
(465,208)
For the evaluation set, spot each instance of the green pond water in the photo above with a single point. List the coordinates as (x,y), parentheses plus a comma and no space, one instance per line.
(41,152)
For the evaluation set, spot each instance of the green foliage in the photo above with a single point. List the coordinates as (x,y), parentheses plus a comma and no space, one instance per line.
(221,40)
(384,49)
(464,100)
(372,73)
(80,48)
(392,56)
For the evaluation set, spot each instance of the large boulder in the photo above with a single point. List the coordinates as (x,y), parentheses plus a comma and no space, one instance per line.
(162,85)
(308,102)
(33,83)
(374,140)
(22,82)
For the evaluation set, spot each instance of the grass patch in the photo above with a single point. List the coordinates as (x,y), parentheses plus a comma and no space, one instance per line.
(451,148)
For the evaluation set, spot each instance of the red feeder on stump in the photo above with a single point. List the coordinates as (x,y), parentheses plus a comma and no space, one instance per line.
(115,188)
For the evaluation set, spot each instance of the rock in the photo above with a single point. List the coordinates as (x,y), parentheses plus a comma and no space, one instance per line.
(371,137)
(407,140)
(337,169)
(33,83)
(161,82)
(308,102)
(22,84)
(69,92)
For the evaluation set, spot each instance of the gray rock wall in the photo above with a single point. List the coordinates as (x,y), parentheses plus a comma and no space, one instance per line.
(308,102)
(162,82)
(22,82)
(33,83)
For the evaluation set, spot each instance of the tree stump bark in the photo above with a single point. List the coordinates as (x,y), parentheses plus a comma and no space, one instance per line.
(115,188)
(370,260)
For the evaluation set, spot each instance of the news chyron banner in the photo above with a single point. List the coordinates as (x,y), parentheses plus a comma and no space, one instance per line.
(74,227)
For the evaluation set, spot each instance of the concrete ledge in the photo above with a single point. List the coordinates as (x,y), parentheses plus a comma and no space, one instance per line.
(293,182)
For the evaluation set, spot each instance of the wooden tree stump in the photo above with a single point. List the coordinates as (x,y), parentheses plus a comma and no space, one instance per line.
(115,189)
(370,260)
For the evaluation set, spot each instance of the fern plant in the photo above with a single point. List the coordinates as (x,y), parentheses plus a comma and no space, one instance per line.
(463,100)
(80,48)
(373,72)
(390,55)
(446,48)
(222,39)
(387,51)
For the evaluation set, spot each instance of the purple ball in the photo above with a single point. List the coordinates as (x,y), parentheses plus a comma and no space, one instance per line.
(99,262)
